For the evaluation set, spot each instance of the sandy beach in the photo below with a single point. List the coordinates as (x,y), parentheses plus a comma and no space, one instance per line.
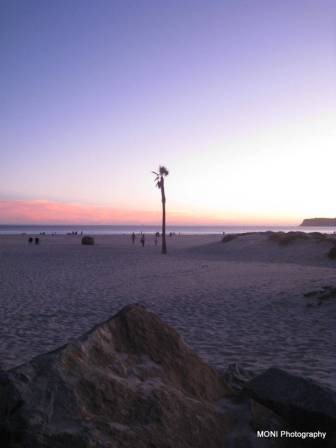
(239,302)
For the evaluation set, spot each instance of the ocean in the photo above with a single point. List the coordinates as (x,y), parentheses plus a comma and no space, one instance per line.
(127,229)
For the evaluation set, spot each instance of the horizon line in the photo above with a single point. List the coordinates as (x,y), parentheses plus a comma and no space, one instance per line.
(149,225)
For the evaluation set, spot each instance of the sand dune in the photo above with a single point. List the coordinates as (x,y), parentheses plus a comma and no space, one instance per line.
(267,247)
(239,302)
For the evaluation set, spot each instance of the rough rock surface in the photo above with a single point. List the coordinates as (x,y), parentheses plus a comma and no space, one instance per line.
(130,382)
(303,403)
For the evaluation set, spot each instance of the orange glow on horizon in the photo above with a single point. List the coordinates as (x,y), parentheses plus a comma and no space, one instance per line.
(50,212)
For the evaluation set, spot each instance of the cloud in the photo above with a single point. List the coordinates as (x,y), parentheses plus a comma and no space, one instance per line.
(42,211)
(49,212)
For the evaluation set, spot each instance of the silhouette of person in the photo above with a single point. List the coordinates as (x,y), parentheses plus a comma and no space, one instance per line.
(142,240)
(156,239)
(133,237)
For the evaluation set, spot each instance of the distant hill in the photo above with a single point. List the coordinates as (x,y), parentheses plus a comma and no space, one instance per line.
(319,222)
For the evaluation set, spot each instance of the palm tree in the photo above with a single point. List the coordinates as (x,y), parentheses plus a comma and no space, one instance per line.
(159,180)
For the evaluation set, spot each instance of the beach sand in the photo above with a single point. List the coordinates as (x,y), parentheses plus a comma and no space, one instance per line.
(239,302)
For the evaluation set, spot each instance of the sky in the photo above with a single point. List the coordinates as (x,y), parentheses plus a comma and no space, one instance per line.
(236,97)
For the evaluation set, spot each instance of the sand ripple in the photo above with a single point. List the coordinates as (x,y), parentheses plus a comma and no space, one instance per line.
(231,311)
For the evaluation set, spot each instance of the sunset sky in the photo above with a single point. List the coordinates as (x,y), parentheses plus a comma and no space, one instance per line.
(237,98)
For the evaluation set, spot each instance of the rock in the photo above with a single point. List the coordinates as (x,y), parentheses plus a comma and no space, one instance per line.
(263,419)
(236,377)
(319,222)
(325,293)
(129,382)
(88,240)
(303,403)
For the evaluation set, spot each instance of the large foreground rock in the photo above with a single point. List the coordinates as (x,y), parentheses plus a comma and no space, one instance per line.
(303,403)
(130,382)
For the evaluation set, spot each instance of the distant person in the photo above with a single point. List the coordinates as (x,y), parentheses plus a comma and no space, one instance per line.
(30,239)
(133,237)
(156,239)
(142,240)
(37,240)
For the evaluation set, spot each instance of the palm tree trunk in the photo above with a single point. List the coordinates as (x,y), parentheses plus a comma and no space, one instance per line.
(163,198)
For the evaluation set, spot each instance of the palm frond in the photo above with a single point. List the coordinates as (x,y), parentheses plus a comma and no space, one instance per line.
(163,171)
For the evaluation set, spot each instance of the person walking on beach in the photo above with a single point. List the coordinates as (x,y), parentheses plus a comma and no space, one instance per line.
(133,237)
(142,240)
(156,239)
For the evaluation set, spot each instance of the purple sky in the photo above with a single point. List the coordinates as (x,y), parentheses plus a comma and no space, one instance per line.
(236,97)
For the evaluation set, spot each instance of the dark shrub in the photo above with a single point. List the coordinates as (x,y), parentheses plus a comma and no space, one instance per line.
(277,237)
(283,238)
(233,236)
(318,236)
(332,253)
(230,237)
(88,240)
